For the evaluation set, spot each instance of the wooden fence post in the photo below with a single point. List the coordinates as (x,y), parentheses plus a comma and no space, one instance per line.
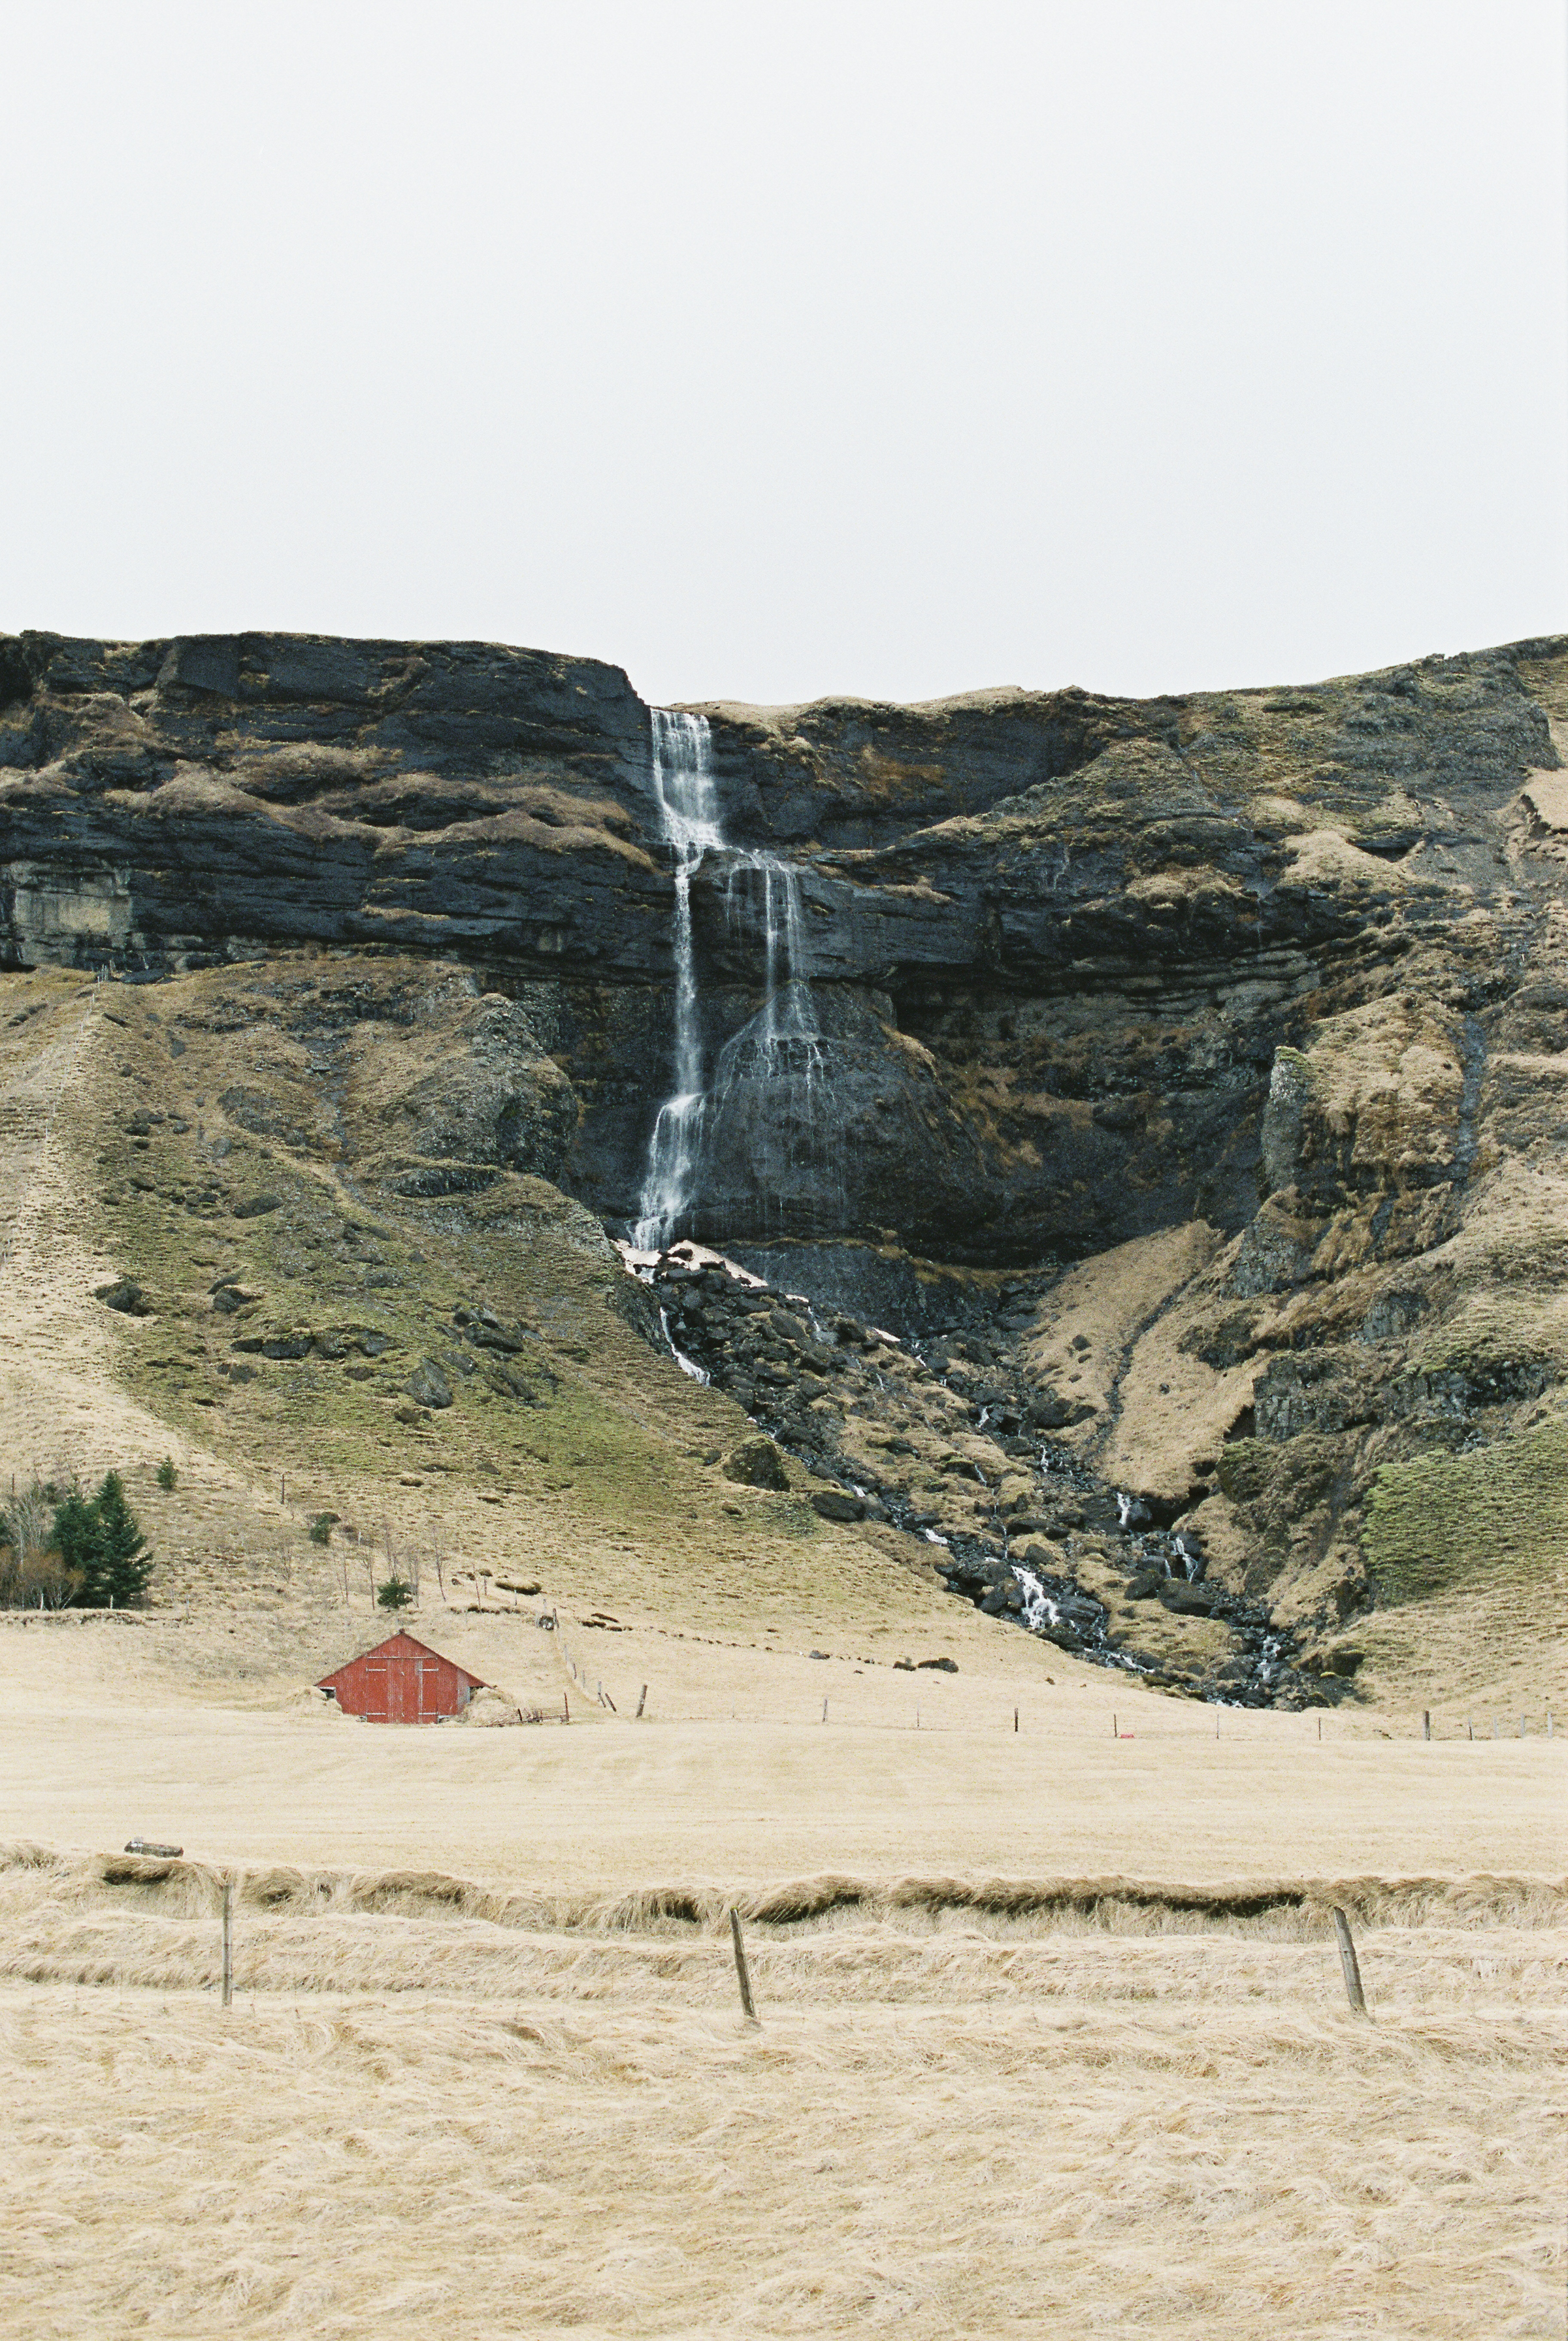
(1426,1723)
(1348,1961)
(743,1972)
(228,1973)
(642,1700)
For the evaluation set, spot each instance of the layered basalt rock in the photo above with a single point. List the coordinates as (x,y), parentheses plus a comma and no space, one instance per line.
(1056,939)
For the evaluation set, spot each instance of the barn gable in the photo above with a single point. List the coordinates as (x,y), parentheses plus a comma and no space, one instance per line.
(401,1681)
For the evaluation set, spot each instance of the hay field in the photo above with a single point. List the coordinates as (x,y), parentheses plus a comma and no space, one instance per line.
(967,2121)
(486,2067)
(98,1744)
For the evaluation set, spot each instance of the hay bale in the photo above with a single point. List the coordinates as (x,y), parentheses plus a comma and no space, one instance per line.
(492,1709)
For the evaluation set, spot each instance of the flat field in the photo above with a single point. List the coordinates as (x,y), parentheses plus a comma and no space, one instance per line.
(1053,2033)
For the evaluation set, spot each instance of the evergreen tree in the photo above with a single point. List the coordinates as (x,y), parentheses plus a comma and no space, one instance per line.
(100,1544)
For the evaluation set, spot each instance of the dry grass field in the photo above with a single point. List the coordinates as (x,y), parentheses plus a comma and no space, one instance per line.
(1053,2029)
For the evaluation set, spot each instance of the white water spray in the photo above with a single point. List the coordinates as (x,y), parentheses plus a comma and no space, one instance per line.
(688,1366)
(1039,1609)
(780,1052)
(683,778)
(781,1044)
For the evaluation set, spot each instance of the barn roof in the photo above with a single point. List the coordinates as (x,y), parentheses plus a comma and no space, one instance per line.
(401,1646)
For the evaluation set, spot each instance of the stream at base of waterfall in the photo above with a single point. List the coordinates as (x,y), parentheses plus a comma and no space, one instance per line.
(781,1043)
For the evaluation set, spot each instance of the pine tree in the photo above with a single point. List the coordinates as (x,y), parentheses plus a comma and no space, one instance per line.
(76,1540)
(101,1543)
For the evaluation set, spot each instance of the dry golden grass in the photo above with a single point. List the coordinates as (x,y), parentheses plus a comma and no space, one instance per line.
(100,1741)
(1173,2137)
(485,2068)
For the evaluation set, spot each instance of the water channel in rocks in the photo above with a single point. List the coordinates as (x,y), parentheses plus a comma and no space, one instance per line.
(831,1389)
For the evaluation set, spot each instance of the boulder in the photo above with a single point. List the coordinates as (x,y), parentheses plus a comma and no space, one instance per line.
(124,1295)
(755,1463)
(1191,1601)
(429,1385)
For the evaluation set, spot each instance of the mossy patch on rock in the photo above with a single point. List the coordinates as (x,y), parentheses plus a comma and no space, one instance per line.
(1438,1521)
(757,1463)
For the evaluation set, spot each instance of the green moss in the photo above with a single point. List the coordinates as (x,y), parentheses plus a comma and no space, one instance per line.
(1441,1521)
(1246,1466)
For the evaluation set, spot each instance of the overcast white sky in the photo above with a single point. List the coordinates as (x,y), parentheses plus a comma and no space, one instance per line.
(772,350)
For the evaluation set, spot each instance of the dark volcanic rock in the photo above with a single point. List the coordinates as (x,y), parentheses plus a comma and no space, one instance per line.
(1057,942)
(124,1295)
(833,1504)
(429,1385)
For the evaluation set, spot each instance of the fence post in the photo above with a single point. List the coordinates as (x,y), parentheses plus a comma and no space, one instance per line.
(642,1698)
(1348,1961)
(1426,1723)
(743,1972)
(228,1975)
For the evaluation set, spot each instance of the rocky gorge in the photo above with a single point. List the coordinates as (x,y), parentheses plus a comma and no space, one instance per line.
(1121,1155)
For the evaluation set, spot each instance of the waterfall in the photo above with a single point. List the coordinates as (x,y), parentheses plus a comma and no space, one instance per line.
(775,1065)
(683,781)
(1039,1609)
(774,1068)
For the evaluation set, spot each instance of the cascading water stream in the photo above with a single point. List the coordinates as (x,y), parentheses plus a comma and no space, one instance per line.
(777,1060)
(688,814)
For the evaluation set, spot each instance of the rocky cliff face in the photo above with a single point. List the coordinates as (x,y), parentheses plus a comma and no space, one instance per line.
(1197,1063)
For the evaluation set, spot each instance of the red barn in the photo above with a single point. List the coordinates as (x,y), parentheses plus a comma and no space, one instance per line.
(401,1681)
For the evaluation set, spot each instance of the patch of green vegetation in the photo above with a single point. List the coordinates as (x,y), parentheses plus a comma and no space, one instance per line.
(788,1516)
(1246,1466)
(1440,1521)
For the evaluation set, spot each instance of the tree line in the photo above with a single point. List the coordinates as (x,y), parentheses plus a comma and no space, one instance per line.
(61,1548)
